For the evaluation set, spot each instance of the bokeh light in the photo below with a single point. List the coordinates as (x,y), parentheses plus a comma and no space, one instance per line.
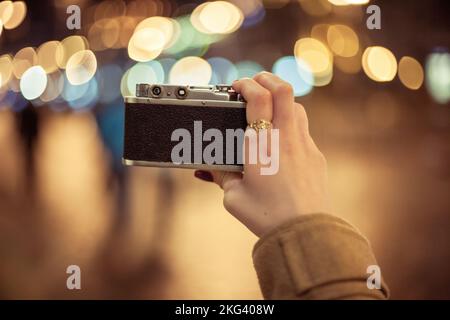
(33,82)
(70,46)
(410,72)
(143,8)
(46,55)
(253,11)
(223,71)
(145,72)
(146,44)
(55,85)
(6,69)
(73,92)
(191,41)
(190,71)
(316,7)
(168,27)
(88,99)
(218,17)
(124,85)
(18,15)
(318,58)
(438,76)
(320,32)
(109,9)
(6,11)
(81,67)
(127,26)
(23,60)
(342,40)
(248,69)
(151,37)
(296,72)
(110,33)
(379,64)
(348,2)
(159,71)
(140,73)
(97,33)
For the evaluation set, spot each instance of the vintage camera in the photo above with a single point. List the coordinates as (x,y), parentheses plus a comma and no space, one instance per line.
(198,126)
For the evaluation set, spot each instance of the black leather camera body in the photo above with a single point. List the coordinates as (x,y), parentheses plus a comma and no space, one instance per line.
(185,126)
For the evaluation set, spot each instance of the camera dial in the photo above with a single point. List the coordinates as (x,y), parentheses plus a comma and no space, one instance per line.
(156,91)
(181,92)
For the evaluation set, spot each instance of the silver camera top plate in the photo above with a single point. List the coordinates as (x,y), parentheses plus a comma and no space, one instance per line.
(211,92)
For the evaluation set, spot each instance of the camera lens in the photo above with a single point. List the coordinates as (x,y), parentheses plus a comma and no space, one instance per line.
(181,92)
(156,91)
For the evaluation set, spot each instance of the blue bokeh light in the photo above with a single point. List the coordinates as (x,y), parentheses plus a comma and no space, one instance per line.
(296,72)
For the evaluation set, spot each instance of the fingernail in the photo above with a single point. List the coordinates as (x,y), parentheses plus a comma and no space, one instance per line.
(204,175)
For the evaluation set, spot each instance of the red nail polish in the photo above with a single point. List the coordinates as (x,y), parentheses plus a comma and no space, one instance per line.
(204,175)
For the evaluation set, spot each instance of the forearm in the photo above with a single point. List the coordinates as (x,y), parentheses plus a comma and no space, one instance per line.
(315,256)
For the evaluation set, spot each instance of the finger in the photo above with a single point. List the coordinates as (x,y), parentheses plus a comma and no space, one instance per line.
(301,119)
(257,151)
(204,175)
(259,106)
(283,99)
(223,179)
(259,100)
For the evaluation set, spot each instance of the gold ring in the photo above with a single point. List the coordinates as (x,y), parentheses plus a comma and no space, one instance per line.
(260,124)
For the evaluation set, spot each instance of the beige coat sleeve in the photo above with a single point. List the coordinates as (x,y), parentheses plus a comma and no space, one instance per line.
(316,256)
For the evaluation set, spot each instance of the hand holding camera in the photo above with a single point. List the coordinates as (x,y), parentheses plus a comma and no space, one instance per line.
(263,202)
(210,129)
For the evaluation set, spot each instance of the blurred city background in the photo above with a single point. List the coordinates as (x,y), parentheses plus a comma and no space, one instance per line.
(377,100)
